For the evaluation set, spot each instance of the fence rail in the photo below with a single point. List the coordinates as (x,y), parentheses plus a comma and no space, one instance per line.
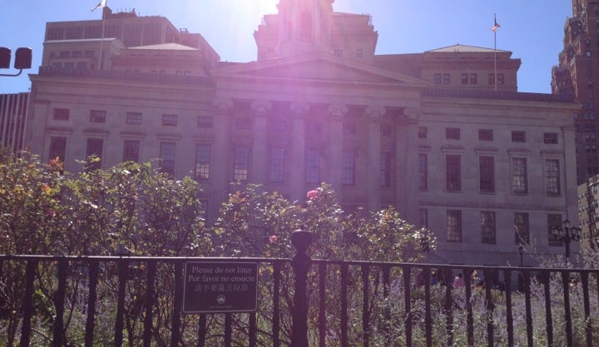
(137,301)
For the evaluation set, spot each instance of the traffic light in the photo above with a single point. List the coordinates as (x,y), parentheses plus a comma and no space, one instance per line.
(23,58)
(5,55)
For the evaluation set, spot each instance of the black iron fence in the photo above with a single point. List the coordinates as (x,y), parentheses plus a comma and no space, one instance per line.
(139,301)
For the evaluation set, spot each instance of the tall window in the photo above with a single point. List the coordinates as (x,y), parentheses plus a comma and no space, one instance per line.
(552,184)
(487,174)
(454,226)
(519,176)
(453,172)
(487,227)
(553,221)
(423,218)
(446,78)
(131,150)
(241,163)
(348,173)
(521,228)
(473,78)
(58,148)
(312,166)
(385,169)
(95,148)
(167,157)
(437,78)
(422,171)
(276,165)
(202,171)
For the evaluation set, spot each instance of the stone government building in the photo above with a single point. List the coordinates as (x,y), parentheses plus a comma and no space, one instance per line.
(440,135)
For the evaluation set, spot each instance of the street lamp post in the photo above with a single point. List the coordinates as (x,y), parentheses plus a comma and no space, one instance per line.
(521,251)
(566,234)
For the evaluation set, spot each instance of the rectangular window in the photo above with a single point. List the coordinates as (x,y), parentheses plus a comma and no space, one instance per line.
(452,133)
(94,148)
(473,78)
(550,138)
(485,134)
(241,163)
(131,150)
(423,171)
(453,172)
(423,218)
(312,166)
(464,78)
(454,226)
(97,116)
(348,173)
(202,171)
(521,228)
(519,176)
(169,119)
(167,157)
(62,114)
(243,123)
(554,221)
(491,79)
(437,78)
(518,136)
(205,122)
(500,79)
(58,148)
(422,132)
(487,174)
(385,169)
(487,227)
(446,78)
(133,118)
(276,165)
(552,184)
(278,125)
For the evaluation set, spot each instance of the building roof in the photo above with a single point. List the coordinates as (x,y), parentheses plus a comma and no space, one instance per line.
(166,47)
(464,48)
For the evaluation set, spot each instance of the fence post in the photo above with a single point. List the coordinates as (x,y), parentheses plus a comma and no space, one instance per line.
(301,262)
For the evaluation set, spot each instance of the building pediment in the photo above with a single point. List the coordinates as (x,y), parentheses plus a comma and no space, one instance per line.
(318,67)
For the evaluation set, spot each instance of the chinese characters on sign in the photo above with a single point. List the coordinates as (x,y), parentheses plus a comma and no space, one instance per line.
(212,287)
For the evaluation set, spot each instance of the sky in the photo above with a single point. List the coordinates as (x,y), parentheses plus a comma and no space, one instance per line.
(532,29)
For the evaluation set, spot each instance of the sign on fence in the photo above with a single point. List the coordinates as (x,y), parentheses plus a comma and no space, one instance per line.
(216,287)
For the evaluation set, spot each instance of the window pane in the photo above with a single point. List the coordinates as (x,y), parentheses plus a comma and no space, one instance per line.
(276,165)
(521,228)
(205,122)
(519,176)
(241,163)
(94,148)
(487,227)
(552,184)
(312,166)
(131,150)
(348,174)
(423,171)
(487,174)
(97,116)
(454,226)
(133,118)
(167,156)
(58,148)
(554,221)
(169,119)
(385,171)
(202,172)
(453,174)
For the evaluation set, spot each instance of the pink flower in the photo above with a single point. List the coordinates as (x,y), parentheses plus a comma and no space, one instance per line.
(312,195)
(272,238)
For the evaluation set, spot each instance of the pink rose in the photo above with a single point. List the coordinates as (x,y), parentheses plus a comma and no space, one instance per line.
(273,239)
(312,195)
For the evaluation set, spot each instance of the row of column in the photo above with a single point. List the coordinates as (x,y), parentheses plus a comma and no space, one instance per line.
(406,151)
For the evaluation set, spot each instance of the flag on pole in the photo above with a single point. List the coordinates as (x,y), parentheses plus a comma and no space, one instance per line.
(100,5)
(496,26)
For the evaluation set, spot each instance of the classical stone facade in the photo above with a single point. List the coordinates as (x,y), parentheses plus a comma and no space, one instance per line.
(426,133)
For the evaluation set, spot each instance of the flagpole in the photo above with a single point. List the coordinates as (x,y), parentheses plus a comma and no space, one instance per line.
(495,50)
(102,41)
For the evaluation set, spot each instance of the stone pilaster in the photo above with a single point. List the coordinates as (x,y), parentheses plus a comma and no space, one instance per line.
(221,173)
(409,194)
(260,110)
(336,114)
(297,159)
(374,114)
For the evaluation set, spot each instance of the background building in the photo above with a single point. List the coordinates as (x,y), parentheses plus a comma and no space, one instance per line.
(427,133)
(13,120)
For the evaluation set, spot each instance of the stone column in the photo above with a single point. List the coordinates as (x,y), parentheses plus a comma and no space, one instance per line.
(221,173)
(409,195)
(374,114)
(259,164)
(569,145)
(297,159)
(335,152)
